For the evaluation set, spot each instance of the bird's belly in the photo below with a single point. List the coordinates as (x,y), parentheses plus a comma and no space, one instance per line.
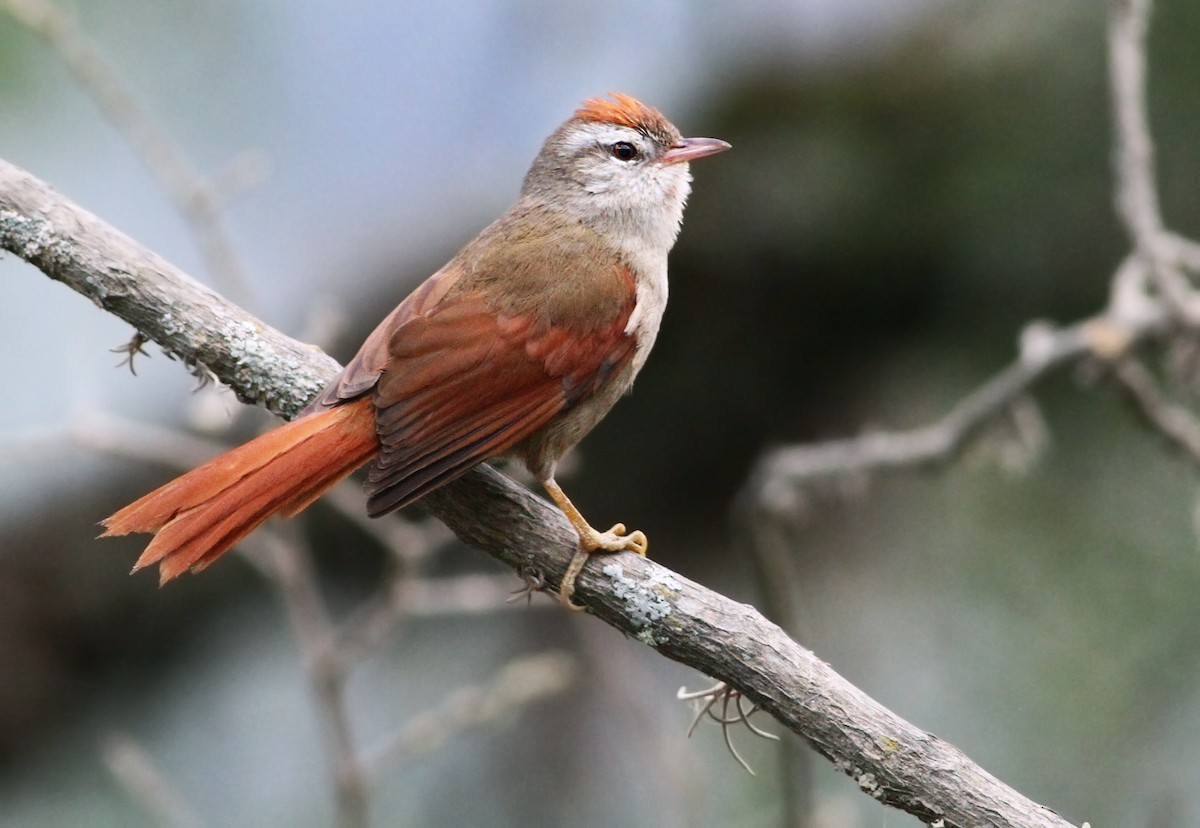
(542,449)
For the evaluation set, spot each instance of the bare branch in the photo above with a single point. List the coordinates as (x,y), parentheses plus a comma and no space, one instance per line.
(1044,351)
(705,702)
(291,567)
(520,683)
(134,770)
(1136,185)
(1174,422)
(1133,315)
(896,763)
(198,202)
(1137,193)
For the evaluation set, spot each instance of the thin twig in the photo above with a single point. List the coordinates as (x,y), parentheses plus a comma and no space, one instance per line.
(136,773)
(721,693)
(1136,188)
(520,683)
(467,595)
(1174,422)
(1131,317)
(1045,351)
(197,200)
(314,631)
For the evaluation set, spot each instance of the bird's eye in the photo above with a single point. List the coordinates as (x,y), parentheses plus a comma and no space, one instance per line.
(624,151)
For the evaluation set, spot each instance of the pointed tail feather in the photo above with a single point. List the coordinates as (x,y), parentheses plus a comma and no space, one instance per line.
(196,518)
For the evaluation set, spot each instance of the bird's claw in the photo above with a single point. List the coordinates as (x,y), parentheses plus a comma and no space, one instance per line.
(614,540)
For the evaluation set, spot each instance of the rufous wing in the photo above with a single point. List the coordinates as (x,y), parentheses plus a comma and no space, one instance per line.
(465,383)
(362,371)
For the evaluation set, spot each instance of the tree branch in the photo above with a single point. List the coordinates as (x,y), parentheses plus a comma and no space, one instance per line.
(188,320)
(1136,190)
(135,771)
(1045,350)
(1160,260)
(890,759)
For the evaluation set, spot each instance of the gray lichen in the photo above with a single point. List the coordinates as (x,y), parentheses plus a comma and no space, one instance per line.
(643,603)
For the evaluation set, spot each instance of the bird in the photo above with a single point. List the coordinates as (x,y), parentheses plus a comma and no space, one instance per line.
(516,348)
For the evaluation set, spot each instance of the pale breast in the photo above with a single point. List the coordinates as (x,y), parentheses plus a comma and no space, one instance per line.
(543,449)
(651,288)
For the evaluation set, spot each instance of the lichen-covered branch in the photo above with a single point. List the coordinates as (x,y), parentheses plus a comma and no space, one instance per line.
(890,759)
(188,320)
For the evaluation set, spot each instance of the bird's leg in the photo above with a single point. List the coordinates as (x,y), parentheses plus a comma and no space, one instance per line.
(590,540)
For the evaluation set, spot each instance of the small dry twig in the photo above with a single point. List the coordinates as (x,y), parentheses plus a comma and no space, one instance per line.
(705,702)
(1174,422)
(198,201)
(131,349)
(1133,315)
(135,771)
(1137,200)
(531,584)
(1045,350)
(518,684)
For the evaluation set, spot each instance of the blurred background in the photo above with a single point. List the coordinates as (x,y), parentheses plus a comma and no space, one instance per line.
(911,184)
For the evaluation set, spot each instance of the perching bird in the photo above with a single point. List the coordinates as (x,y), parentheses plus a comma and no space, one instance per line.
(518,347)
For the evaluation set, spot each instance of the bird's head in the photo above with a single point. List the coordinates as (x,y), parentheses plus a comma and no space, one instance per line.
(621,166)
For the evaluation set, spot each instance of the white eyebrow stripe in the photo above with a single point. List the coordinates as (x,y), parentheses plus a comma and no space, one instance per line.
(591,134)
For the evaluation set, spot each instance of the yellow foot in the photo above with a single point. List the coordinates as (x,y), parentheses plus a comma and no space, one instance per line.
(591,542)
(614,540)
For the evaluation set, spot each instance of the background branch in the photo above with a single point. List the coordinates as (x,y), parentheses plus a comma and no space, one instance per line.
(890,759)
(1045,350)
(136,772)
(1136,190)
(1160,260)
(198,201)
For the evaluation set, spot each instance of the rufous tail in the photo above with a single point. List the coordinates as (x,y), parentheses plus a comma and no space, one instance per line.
(198,517)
